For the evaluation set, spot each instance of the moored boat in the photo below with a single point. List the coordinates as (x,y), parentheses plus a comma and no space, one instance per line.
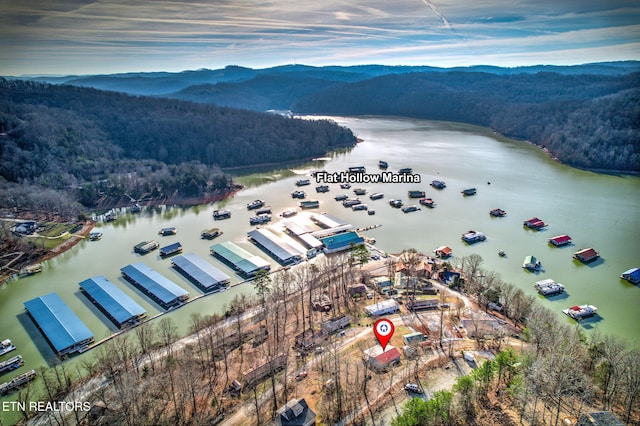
(498,213)
(221,214)
(345,185)
(171,249)
(416,194)
(411,208)
(469,191)
(17,382)
(586,255)
(260,219)
(359,207)
(289,213)
(264,210)
(322,188)
(357,169)
(303,182)
(531,263)
(341,197)
(395,203)
(443,252)
(548,287)
(351,202)
(298,194)
(438,184)
(471,237)
(359,191)
(210,234)
(427,202)
(6,346)
(580,312)
(632,275)
(168,231)
(30,270)
(95,236)
(255,204)
(383,164)
(310,204)
(534,223)
(146,246)
(405,170)
(376,196)
(11,364)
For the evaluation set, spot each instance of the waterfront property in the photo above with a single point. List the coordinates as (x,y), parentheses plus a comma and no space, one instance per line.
(159,288)
(341,242)
(586,255)
(121,309)
(275,246)
(62,328)
(245,263)
(200,272)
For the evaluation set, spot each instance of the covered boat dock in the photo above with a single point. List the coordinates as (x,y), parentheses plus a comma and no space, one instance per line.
(113,302)
(159,288)
(200,272)
(277,247)
(238,258)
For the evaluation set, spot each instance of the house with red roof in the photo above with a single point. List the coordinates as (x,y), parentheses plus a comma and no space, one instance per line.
(382,360)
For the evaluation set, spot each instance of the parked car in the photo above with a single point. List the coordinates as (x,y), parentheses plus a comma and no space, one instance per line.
(301,375)
(412,387)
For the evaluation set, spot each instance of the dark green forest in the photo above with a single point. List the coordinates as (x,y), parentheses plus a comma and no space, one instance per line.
(93,143)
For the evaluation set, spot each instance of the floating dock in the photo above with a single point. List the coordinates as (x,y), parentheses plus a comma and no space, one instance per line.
(146,247)
(171,249)
(60,325)
(159,288)
(113,302)
(276,247)
(326,221)
(200,272)
(238,258)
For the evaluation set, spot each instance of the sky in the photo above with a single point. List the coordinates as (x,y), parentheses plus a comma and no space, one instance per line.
(52,37)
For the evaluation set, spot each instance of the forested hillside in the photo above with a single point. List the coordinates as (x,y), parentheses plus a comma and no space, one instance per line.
(584,120)
(97,142)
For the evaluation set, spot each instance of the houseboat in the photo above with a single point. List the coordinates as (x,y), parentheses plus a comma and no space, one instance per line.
(469,191)
(171,249)
(405,170)
(580,312)
(351,202)
(531,263)
(264,210)
(548,287)
(443,252)
(376,196)
(427,202)
(289,213)
(303,182)
(560,240)
(416,194)
(534,223)
(298,194)
(221,214)
(359,207)
(345,185)
(136,208)
(395,203)
(30,270)
(438,184)
(210,234)
(322,188)
(260,219)
(17,381)
(95,236)
(167,231)
(341,197)
(357,169)
(310,204)
(498,213)
(11,364)
(632,275)
(471,237)
(586,255)
(383,165)
(411,208)
(255,204)
(6,346)
(359,191)
(146,247)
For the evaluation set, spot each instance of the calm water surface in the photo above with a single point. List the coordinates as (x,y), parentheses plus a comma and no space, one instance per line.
(597,210)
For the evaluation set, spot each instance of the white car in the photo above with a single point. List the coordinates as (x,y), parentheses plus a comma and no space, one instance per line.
(412,387)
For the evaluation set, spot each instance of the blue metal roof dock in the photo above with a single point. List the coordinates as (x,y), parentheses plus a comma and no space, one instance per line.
(340,242)
(113,302)
(240,259)
(277,247)
(156,286)
(200,272)
(61,326)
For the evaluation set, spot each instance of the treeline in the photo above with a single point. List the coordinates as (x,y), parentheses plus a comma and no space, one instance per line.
(65,137)
(584,120)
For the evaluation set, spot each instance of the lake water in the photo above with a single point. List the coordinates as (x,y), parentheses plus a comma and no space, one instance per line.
(596,210)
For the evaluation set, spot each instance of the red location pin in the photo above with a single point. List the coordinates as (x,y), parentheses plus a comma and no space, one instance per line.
(383,329)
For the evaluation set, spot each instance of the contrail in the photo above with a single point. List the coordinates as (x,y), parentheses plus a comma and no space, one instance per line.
(438,14)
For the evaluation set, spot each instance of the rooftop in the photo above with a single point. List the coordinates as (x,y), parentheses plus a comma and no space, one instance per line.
(114,301)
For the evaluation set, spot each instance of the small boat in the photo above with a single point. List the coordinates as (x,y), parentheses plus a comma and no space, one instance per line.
(383,165)
(471,237)
(531,263)
(406,170)
(498,213)
(322,188)
(255,204)
(560,240)
(359,191)
(580,312)
(310,204)
(289,213)
(534,223)
(427,202)
(395,203)
(136,208)
(210,234)
(548,287)
(168,231)
(30,270)
(351,202)
(468,192)
(502,253)
(438,184)
(376,196)
(359,207)
(298,194)
(146,247)
(345,185)
(341,197)
(260,219)
(264,210)
(411,208)
(6,346)
(416,194)
(357,169)
(371,212)
(221,214)
(303,182)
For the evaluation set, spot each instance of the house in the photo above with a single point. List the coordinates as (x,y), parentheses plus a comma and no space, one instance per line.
(359,290)
(296,412)
(443,252)
(586,255)
(334,324)
(413,337)
(414,304)
(382,284)
(385,307)
(308,340)
(380,359)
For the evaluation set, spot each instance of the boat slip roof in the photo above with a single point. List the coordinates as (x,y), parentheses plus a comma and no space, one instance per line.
(310,241)
(153,282)
(205,274)
(341,240)
(57,321)
(327,221)
(297,228)
(240,258)
(278,247)
(113,300)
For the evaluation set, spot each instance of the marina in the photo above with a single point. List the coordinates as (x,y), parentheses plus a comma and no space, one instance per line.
(121,309)
(200,272)
(155,285)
